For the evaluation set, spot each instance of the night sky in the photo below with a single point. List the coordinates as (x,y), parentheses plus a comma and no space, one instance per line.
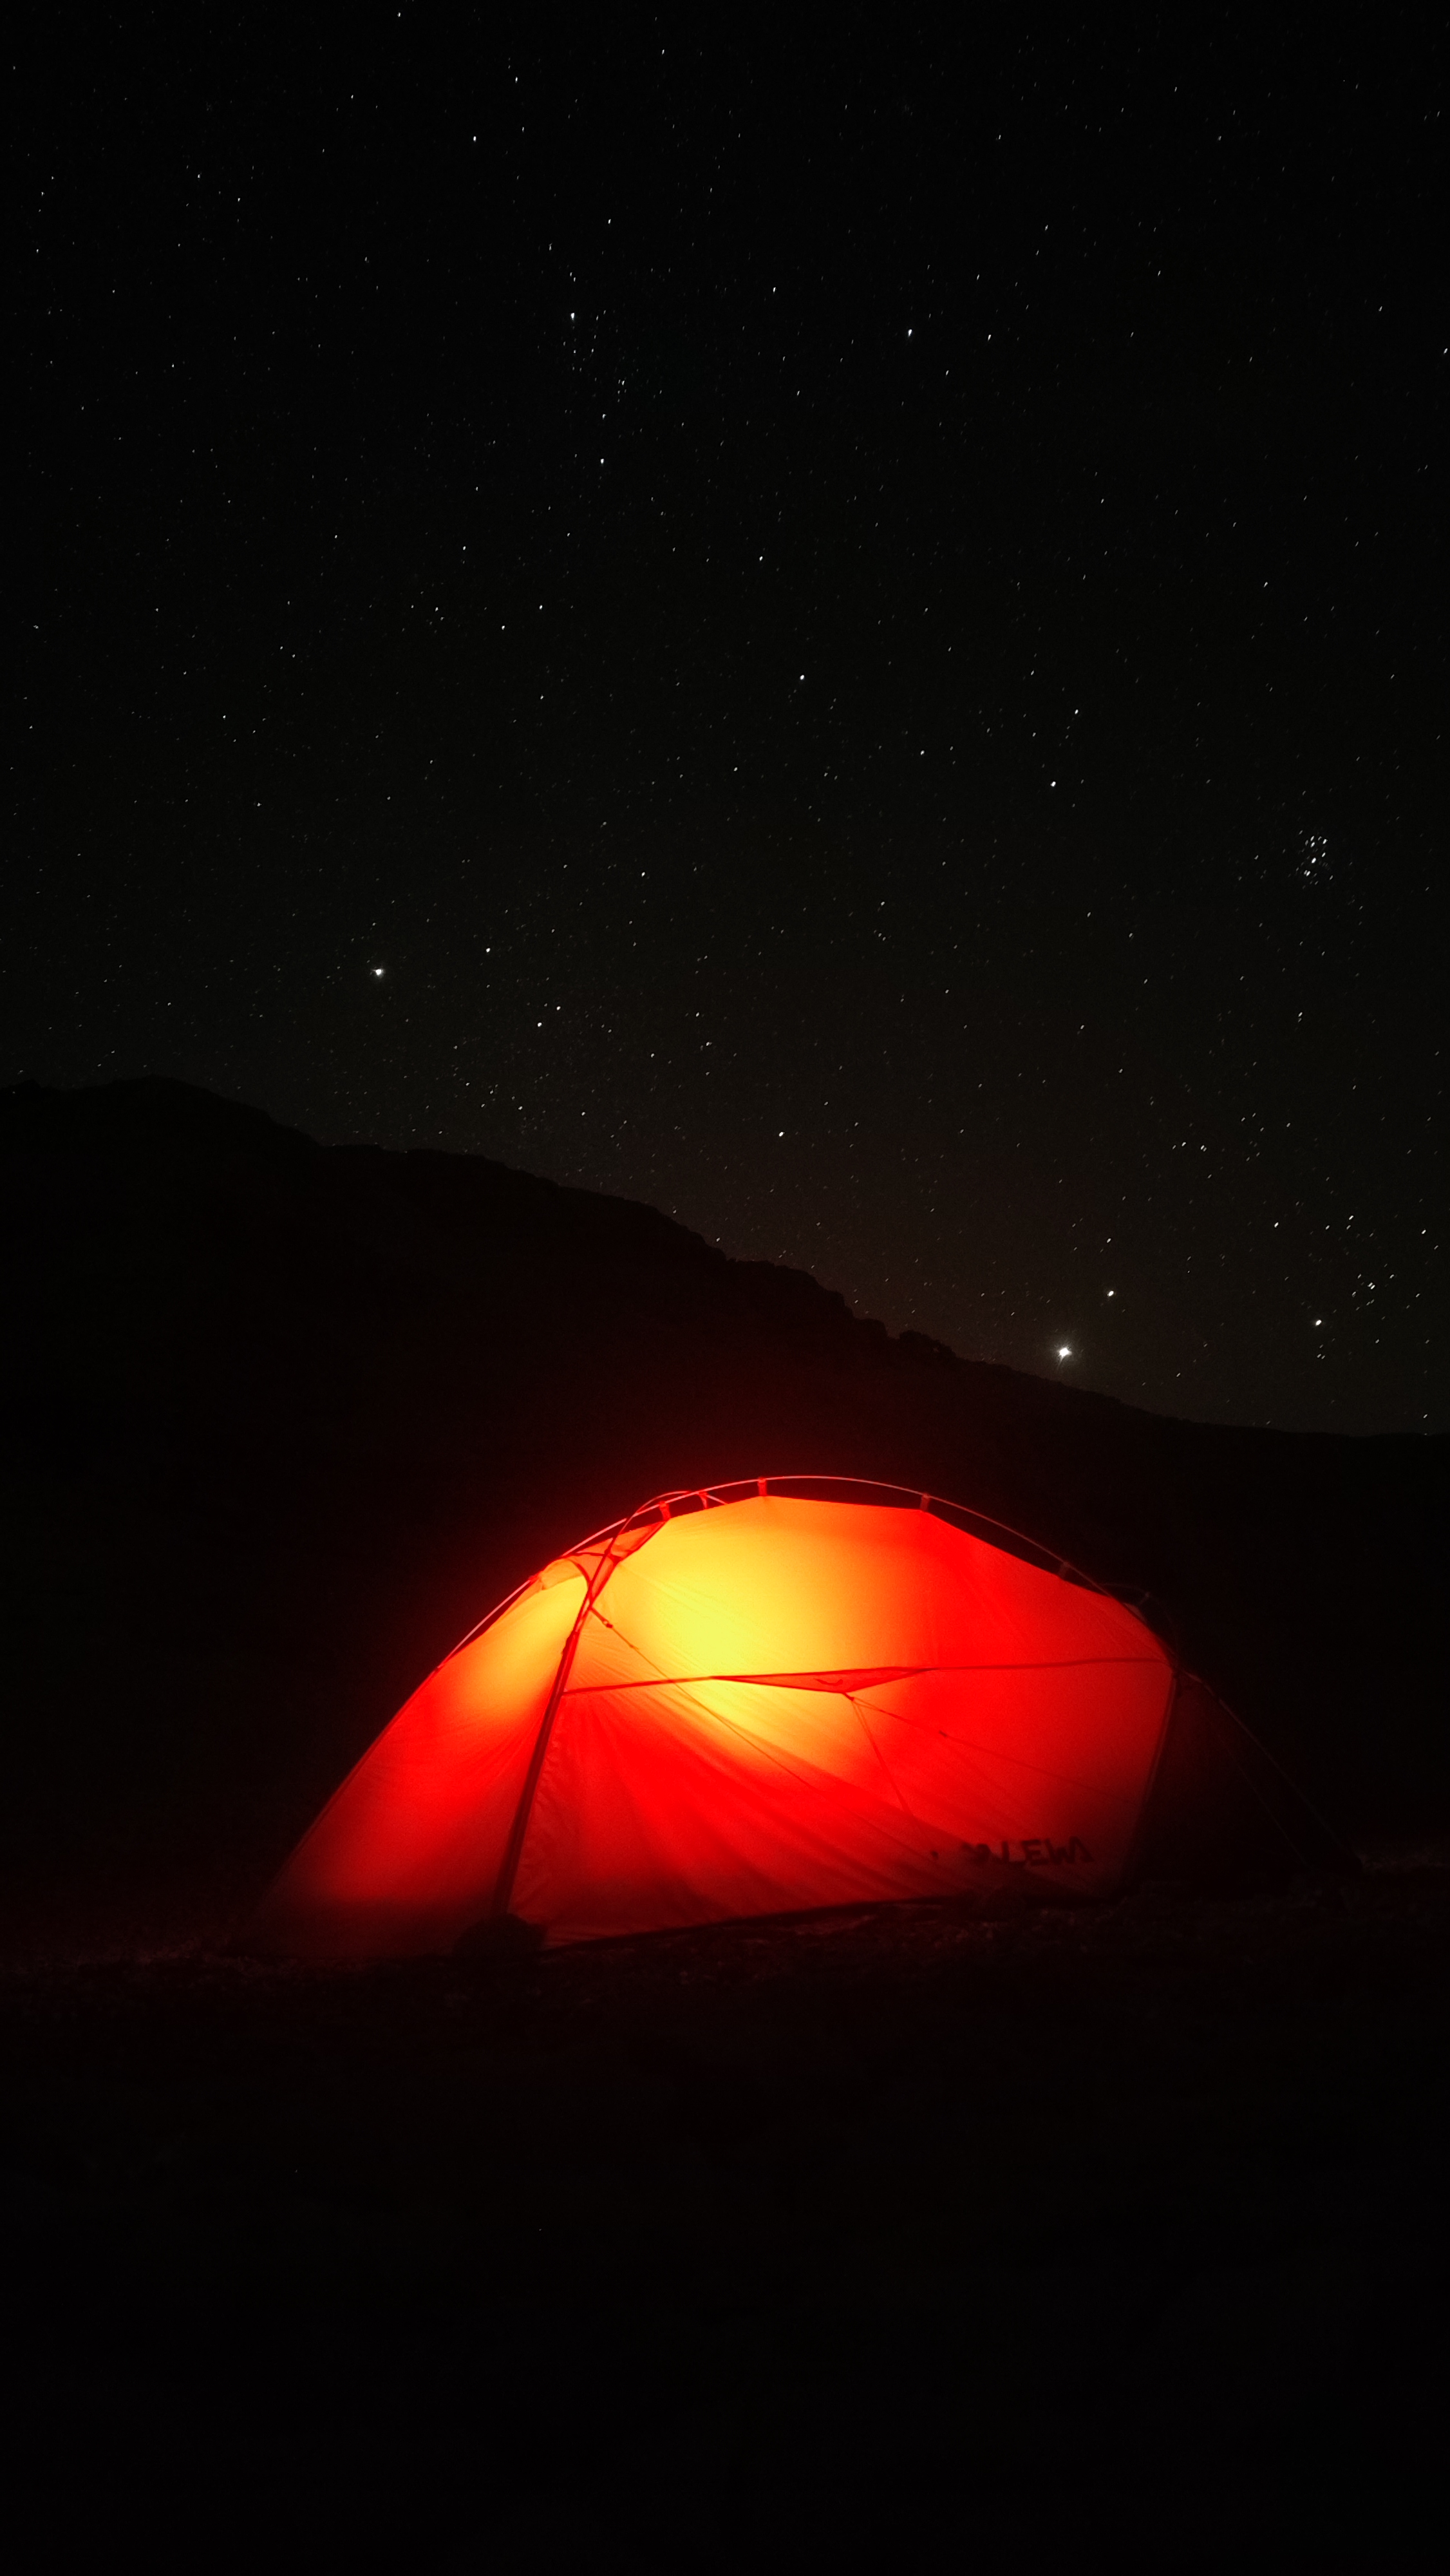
(840,631)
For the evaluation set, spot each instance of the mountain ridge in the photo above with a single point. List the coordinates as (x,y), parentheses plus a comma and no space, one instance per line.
(283,1420)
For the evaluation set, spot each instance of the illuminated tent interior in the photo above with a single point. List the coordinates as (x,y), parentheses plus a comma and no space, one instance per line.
(778,1696)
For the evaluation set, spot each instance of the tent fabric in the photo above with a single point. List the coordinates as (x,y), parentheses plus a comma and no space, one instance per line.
(756,1701)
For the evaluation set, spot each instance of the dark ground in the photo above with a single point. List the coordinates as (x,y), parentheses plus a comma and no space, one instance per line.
(895,2239)
(903,2239)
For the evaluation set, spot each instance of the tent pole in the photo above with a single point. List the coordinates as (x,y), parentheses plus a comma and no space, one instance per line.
(513,1850)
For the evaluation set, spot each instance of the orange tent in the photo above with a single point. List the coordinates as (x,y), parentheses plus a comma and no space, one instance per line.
(769,1697)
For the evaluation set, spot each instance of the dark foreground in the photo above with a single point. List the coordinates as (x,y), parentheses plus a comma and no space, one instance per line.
(898,2239)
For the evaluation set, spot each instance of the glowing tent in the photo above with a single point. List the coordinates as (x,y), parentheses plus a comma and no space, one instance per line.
(772,1697)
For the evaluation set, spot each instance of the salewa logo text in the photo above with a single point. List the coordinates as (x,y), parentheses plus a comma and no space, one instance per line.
(1037,1852)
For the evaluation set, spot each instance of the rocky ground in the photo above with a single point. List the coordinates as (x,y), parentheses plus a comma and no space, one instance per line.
(900,2238)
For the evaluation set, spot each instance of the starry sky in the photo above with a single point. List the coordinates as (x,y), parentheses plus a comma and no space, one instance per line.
(837,628)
